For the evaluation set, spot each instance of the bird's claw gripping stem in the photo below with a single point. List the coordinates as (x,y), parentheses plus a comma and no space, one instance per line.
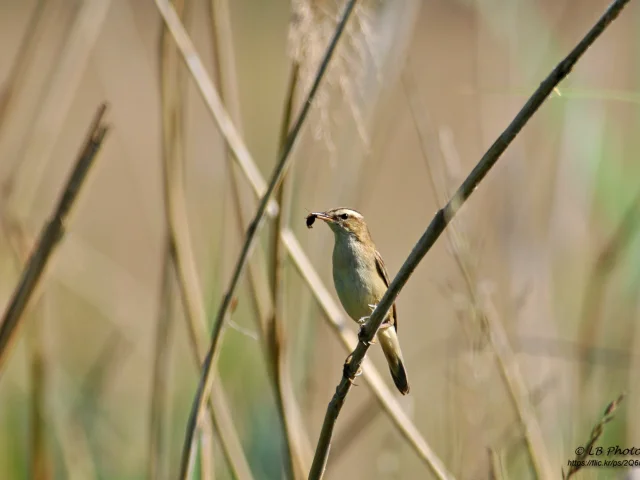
(363,334)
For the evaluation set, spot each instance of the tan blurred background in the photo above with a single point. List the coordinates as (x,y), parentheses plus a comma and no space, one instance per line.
(420,91)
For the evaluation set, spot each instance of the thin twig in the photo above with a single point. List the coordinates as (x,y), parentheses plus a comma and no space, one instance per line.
(206,379)
(435,229)
(50,236)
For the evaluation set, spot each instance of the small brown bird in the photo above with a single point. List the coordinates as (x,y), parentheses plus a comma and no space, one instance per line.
(361,280)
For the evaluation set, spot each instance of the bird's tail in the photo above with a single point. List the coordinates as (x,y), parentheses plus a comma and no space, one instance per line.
(391,347)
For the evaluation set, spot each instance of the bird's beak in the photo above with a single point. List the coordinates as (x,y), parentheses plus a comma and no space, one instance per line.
(323,216)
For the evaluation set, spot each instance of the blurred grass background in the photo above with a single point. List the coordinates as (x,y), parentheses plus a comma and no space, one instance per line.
(541,237)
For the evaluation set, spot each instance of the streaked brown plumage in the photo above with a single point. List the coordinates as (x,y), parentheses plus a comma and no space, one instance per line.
(361,280)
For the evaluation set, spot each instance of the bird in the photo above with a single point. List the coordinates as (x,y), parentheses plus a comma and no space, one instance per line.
(361,280)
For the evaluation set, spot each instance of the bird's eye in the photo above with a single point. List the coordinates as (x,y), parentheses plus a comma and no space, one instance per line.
(344,216)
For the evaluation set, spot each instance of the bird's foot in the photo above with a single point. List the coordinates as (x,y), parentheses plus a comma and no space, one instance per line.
(363,334)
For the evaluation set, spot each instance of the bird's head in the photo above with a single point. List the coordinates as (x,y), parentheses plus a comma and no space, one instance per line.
(345,222)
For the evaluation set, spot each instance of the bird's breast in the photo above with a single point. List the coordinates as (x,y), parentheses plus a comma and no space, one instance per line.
(356,278)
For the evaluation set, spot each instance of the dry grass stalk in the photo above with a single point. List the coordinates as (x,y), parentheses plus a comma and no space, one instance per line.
(212,99)
(264,301)
(183,257)
(173,92)
(50,236)
(208,370)
(596,433)
(207,466)
(519,392)
(298,440)
(435,229)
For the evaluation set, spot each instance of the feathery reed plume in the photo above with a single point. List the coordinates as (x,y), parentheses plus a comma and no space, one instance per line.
(365,61)
(311,27)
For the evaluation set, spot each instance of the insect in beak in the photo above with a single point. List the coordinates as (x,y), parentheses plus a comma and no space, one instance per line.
(321,215)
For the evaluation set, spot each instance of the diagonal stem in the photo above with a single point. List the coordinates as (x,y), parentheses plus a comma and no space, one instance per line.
(50,236)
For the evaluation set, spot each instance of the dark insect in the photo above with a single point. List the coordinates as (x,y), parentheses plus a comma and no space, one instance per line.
(310,219)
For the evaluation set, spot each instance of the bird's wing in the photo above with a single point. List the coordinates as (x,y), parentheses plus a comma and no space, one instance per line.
(385,276)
